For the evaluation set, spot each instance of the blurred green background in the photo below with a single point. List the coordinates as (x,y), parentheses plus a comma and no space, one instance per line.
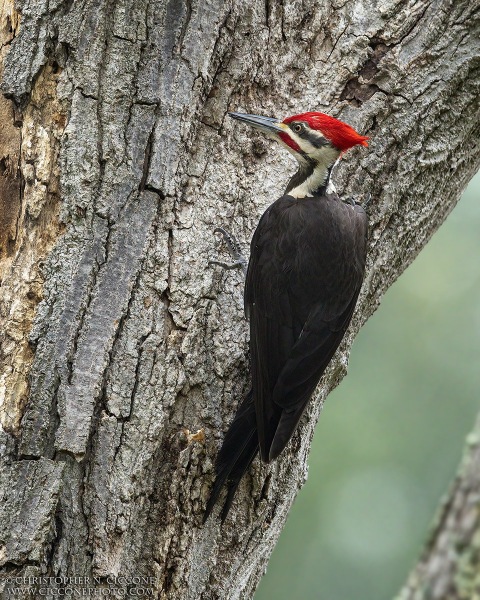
(390,437)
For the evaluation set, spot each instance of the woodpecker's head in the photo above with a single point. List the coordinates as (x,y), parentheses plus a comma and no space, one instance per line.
(315,139)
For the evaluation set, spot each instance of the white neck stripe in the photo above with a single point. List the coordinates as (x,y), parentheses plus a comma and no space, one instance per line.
(325,157)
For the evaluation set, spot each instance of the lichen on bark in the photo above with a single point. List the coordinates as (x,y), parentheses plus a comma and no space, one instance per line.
(29,206)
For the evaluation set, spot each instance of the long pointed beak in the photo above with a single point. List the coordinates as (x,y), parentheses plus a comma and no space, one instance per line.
(266,124)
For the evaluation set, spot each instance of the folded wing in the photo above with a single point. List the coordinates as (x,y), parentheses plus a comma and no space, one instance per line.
(305,273)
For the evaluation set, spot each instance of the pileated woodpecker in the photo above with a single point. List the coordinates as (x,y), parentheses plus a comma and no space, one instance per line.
(306,268)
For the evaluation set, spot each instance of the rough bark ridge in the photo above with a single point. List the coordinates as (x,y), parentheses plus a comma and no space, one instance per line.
(135,340)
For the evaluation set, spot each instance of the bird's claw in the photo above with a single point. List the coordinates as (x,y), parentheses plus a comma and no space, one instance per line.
(231,241)
(367,201)
(239,261)
(351,200)
(238,264)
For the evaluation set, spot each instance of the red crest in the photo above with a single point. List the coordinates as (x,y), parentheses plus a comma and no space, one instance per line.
(339,133)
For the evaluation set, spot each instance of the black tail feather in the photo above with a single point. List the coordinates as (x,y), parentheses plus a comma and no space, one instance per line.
(239,470)
(236,454)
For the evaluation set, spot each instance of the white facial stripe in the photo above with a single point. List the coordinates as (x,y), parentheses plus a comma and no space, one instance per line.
(305,145)
(323,156)
(299,157)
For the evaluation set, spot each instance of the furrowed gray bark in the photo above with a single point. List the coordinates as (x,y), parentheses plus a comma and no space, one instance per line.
(118,339)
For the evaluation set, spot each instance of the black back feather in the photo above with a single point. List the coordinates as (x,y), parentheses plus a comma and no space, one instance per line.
(306,268)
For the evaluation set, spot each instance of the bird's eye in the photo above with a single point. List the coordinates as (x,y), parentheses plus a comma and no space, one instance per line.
(297,127)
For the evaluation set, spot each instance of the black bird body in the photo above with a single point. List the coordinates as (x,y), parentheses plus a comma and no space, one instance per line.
(306,267)
(305,272)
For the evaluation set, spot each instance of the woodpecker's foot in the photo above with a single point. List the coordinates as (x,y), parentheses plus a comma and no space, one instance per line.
(350,200)
(239,261)
(367,202)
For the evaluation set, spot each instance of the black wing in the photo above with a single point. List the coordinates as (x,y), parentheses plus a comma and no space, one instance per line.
(304,276)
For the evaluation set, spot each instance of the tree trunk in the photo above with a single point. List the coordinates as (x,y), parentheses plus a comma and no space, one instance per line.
(118,339)
(450,565)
